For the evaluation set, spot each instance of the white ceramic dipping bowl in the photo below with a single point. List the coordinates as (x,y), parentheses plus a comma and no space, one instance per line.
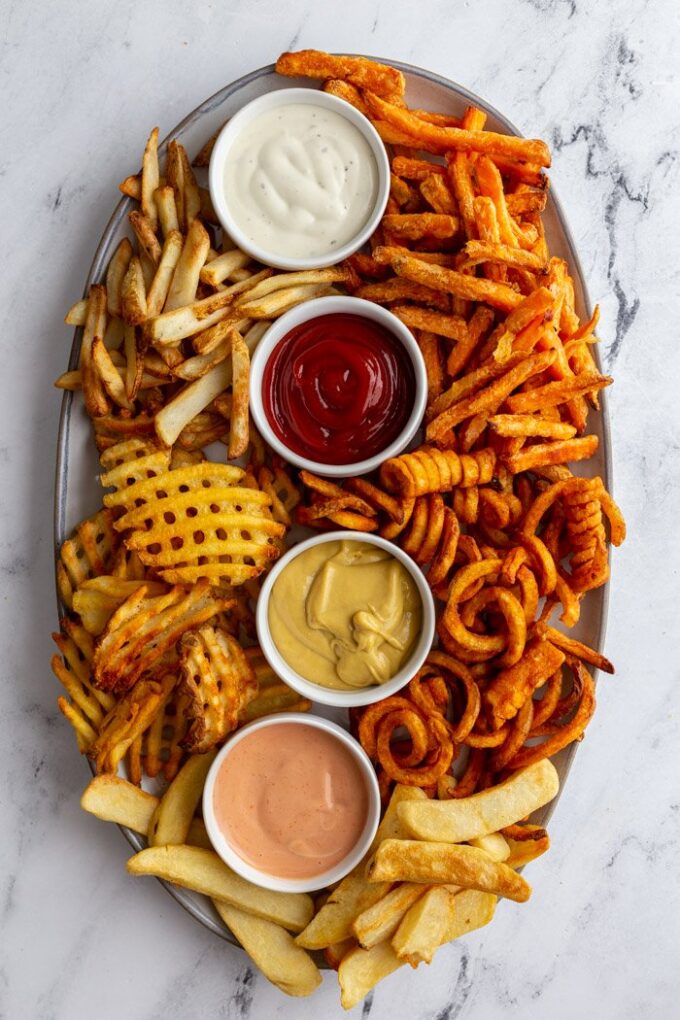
(363,695)
(339,305)
(239,123)
(326,878)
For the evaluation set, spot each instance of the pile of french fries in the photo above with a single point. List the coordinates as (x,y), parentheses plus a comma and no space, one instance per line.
(156,644)
(434,872)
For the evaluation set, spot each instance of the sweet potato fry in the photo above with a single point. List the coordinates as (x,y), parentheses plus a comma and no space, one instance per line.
(453,327)
(365,74)
(556,393)
(471,288)
(444,139)
(490,398)
(413,226)
(544,454)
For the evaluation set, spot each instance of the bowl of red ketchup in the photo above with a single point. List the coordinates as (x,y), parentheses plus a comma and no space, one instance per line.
(337,385)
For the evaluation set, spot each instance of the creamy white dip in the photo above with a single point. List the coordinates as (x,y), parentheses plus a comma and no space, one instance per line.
(300,181)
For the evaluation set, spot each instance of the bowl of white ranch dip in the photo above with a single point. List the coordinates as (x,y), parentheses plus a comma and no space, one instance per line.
(299,179)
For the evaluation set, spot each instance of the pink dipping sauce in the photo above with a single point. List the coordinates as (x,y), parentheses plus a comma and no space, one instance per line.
(291,800)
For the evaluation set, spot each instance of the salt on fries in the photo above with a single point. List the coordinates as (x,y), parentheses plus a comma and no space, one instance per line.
(159,587)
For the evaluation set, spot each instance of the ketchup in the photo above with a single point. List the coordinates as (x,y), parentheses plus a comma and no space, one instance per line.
(338,389)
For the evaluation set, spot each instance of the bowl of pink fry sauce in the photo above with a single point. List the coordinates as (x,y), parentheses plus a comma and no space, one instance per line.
(291,802)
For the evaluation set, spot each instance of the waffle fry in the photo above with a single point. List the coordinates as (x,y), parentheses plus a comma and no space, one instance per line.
(218,682)
(128,719)
(87,554)
(203,525)
(145,628)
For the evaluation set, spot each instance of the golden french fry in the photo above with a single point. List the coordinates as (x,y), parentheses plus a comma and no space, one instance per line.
(218,682)
(150,179)
(97,598)
(424,927)
(203,871)
(163,277)
(131,186)
(172,820)
(336,952)
(113,384)
(96,401)
(133,294)
(186,276)
(471,909)
(198,366)
(355,893)
(167,210)
(277,698)
(198,834)
(146,237)
(513,425)
(69,381)
(85,734)
(405,860)
(77,313)
(361,970)
(218,269)
(118,265)
(494,844)
(174,171)
(115,800)
(273,950)
(379,921)
(134,364)
(179,323)
(525,850)
(454,821)
(192,197)
(359,71)
(238,424)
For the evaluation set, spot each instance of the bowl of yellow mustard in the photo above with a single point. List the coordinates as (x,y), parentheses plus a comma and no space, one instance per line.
(345,619)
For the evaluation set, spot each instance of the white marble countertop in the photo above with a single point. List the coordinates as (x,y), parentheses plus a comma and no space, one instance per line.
(81,84)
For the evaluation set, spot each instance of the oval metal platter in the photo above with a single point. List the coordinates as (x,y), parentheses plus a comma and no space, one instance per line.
(77,490)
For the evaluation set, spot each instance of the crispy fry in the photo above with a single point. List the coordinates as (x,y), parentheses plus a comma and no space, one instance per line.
(471,288)
(114,800)
(172,818)
(418,861)
(204,872)
(511,687)
(150,180)
(238,425)
(218,682)
(365,74)
(188,267)
(444,139)
(544,454)
(273,950)
(424,927)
